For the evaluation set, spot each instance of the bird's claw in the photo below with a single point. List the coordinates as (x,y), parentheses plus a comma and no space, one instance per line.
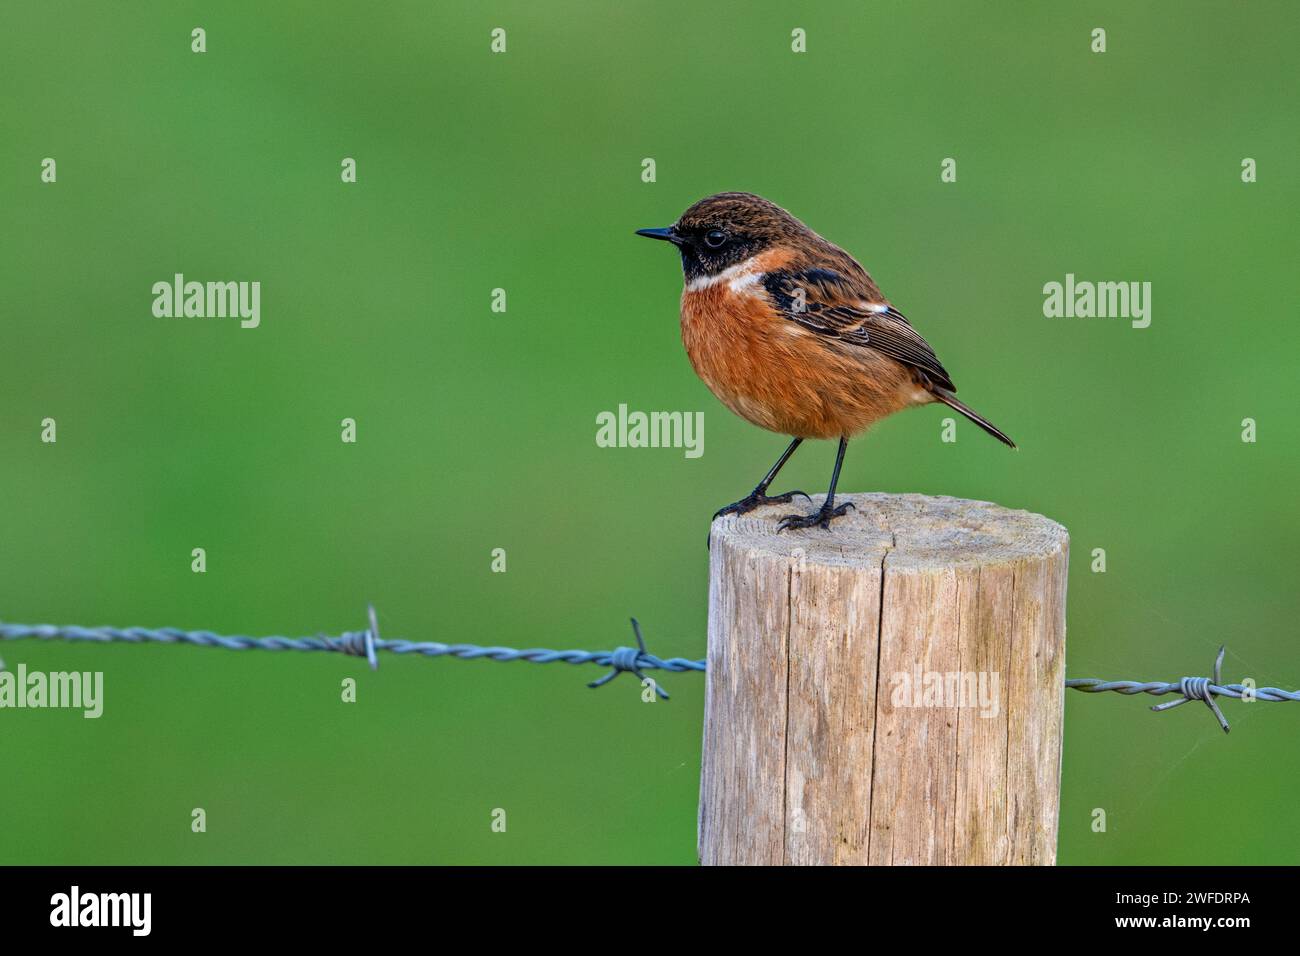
(756,500)
(820,518)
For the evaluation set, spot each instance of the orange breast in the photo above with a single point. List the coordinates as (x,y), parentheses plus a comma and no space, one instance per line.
(773,372)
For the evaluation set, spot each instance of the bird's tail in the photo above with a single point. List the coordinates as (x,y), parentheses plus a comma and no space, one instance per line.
(952,402)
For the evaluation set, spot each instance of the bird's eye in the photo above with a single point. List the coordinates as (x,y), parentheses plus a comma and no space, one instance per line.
(715,238)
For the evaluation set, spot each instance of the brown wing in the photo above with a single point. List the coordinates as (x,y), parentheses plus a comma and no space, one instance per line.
(834,305)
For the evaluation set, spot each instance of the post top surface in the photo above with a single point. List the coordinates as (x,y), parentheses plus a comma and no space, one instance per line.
(915,530)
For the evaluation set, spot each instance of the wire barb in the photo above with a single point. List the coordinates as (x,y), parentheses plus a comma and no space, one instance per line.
(359,643)
(632,659)
(1200,688)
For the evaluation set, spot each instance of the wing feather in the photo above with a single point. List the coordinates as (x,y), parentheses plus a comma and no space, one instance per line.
(834,306)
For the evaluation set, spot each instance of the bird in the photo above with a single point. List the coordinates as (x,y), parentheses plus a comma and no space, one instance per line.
(792,334)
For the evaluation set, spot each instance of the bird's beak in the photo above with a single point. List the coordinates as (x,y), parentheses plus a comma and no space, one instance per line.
(668,235)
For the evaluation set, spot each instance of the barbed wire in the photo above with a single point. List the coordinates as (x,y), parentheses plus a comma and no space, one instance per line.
(633,660)
(367,644)
(1191,688)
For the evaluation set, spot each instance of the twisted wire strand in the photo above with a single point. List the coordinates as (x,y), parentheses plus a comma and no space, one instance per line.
(1191,688)
(633,660)
(1092,685)
(366,644)
(239,642)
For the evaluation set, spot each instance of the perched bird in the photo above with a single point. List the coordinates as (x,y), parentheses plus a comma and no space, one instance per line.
(791,333)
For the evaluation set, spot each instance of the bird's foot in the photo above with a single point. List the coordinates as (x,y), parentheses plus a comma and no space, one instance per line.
(821,518)
(757,500)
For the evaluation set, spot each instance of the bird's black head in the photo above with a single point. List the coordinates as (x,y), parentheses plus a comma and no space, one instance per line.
(726,229)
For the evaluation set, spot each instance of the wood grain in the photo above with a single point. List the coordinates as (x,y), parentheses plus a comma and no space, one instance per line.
(843,723)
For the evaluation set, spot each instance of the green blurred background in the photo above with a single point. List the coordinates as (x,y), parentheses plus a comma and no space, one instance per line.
(476,430)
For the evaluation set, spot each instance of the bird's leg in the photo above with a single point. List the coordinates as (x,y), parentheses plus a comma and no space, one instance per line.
(823,516)
(758,496)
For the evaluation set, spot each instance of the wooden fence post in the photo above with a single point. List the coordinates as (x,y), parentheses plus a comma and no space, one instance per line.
(888,692)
